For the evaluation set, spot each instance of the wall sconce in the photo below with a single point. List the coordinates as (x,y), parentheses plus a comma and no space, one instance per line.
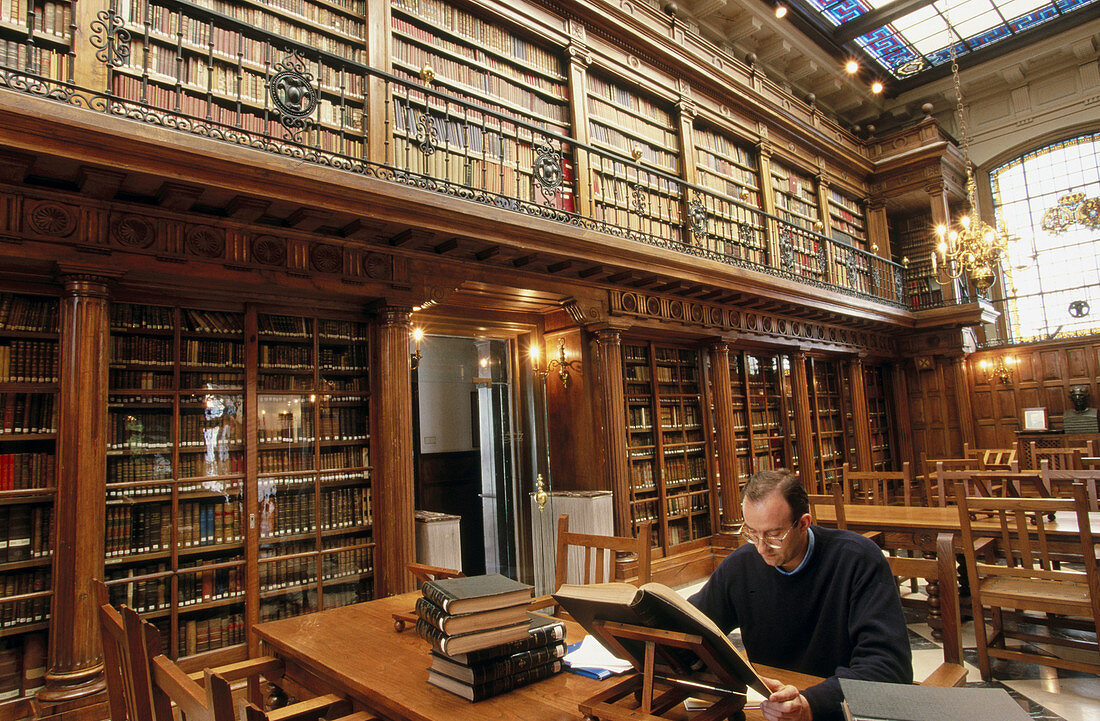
(414,357)
(1000,369)
(562,364)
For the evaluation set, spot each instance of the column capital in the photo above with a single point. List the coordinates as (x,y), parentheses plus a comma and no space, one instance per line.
(393,315)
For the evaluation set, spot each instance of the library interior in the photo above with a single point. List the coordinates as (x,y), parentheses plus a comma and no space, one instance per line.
(297,293)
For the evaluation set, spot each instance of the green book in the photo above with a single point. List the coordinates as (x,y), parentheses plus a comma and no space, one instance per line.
(878,701)
(476,593)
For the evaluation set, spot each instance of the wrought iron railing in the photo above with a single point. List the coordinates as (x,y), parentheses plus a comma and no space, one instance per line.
(191,68)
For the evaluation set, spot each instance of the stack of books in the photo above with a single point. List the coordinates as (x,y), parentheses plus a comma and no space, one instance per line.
(484,642)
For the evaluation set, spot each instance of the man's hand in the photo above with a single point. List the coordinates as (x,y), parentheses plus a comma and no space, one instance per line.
(785,703)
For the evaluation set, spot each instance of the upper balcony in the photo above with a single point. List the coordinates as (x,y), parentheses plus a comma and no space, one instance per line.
(217,75)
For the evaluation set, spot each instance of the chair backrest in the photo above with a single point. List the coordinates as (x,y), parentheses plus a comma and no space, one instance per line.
(598,553)
(212,701)
(880,488)
(129,693)
(933,494)
(834,499)
(993,459)
(1061,458)
(1025,547)
(1059,482)
(940,570)
(946,475)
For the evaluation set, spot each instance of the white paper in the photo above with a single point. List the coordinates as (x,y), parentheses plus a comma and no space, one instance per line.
(592,654)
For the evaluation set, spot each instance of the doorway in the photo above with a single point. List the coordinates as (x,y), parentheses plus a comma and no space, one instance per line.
(464,441)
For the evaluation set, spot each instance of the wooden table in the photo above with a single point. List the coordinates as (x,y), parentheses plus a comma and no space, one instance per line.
(354,651)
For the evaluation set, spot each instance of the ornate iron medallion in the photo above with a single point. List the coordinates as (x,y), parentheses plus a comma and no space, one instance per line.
(292,93)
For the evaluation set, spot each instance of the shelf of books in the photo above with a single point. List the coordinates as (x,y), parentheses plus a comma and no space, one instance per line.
(827,409)
(29,367)
(846,220)
(796,203)
(876,385)
(216,66)
(912,238)
(488,63)
(36,36)
(766,394)
(730,169)
(175,546)
(313,487)
(623,120)
(667,443)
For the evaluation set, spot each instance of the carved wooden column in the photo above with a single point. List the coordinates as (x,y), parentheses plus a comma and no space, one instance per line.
(392,454)
(800,391)
(903,428)
(878,227)
(860,415)
(727,444)
(613,422)
(579,60)
(767,197)
(379,53)
(76,663)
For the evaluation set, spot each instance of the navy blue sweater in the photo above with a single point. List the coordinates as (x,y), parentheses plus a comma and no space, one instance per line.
(839,615)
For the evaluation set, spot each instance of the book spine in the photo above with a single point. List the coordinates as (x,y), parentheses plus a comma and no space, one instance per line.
(518,662)
(432,635)
(436,595)
(521,678)
(542,636)
(431,613)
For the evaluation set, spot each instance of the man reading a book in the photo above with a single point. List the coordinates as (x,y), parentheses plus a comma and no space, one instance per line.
(815,600)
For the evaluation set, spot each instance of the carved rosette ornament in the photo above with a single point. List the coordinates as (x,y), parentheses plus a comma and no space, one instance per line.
(326,258)
(206,242)
(51,219)
(133,231)
(292,93)
(377,266)
(697,216)
(269,250)
(547,170)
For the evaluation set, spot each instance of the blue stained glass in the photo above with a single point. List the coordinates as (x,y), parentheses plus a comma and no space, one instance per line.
(1064,5)
(989,36)
(1033,18)
(846,10)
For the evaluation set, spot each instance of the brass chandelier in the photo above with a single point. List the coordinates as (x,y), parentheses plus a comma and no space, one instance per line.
(972,247)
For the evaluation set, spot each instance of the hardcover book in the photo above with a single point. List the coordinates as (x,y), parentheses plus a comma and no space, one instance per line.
(658,607)
(878,701)
(497,668)
(454,624)
(542,630)
(477,692)
(476,593)
(467,642)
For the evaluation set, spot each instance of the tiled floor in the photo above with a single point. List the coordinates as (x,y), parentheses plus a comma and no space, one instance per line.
(1047,694)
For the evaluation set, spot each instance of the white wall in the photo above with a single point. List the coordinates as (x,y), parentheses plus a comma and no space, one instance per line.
(446,373)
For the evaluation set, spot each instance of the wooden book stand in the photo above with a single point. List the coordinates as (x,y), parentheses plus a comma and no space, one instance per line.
(661,681)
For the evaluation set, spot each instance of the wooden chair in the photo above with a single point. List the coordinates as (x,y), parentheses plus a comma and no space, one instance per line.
(1061,458)
(836,499)
(934,494)
(1059,483)
(598,558)
(1027,578)
(422,573)
(211,700)
(993,459)
(880,488)
(941,572)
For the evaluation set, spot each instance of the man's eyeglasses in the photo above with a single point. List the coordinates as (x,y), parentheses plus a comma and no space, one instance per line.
(771,539)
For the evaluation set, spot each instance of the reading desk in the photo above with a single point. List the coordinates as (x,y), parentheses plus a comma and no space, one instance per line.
(354,651)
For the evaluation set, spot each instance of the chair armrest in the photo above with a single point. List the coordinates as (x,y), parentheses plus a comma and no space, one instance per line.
(948,674)
(269,667)
(877,536)
(984,547)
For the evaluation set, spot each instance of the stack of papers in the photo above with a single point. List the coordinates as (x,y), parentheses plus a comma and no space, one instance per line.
(590,658)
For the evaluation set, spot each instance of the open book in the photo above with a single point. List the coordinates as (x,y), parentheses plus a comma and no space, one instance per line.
(657,606)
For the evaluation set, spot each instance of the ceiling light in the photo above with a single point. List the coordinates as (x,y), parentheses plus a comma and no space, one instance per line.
(876,87)
(780,11)
(851,67)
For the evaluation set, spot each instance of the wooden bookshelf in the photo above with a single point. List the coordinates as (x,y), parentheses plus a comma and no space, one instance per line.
(668,443)
(29,368)
(493,65)
(36,36)
(913,238)
(730,169)
(213,68)
(796,203)
(177,546)
(313,447)
(847,221)
(828,424)
(879,414)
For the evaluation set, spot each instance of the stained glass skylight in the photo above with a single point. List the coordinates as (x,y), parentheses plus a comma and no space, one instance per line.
(921,39)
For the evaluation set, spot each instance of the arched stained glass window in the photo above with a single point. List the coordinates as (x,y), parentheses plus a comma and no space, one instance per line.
(1049,201)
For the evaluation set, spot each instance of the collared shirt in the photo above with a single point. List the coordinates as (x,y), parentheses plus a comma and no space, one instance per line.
(809,550)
